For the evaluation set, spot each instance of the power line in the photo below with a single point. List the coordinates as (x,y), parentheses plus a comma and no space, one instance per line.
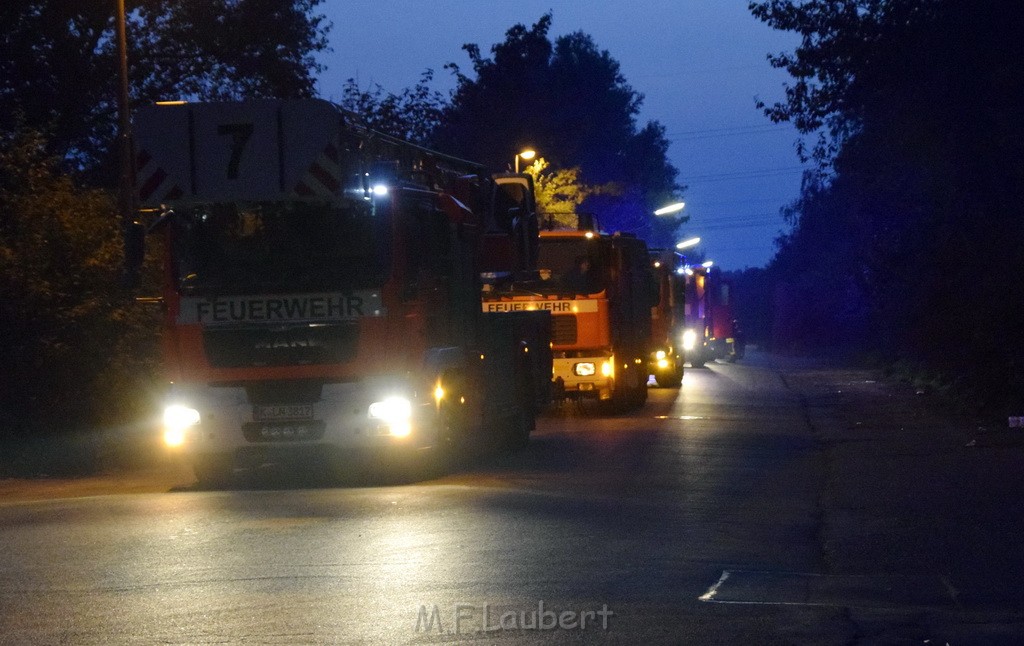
(705,131)
(723,132)
(725,227)
(743,174)
(749,221)
(742,219)
(761,200)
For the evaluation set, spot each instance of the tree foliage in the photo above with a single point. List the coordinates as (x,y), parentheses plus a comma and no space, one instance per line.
(413,114)
(917,221)
(75,346)
(560,193)
(569,100)
(59,64)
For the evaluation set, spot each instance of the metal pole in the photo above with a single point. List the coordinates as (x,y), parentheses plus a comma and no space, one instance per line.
(126,197)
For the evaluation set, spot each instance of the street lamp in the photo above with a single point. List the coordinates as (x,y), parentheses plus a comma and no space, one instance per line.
(686,244)
(671,208)
(526,154)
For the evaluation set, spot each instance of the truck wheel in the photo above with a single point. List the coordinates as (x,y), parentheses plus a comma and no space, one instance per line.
(671,380)
(517,431)
(639,396)
(627,397)
(214,472)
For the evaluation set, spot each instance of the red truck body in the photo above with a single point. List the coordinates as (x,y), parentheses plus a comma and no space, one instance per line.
(322,292)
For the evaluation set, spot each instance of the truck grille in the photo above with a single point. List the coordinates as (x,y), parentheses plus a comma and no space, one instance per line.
(563,329)
(293,346)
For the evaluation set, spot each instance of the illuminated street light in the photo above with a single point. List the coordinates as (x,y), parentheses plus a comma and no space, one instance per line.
(671,208)
(686,244)
(526,154)
(707,264)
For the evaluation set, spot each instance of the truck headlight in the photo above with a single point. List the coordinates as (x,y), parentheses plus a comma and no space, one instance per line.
(586,369)
(659,355)
(396,413)
(689,339)
(177,420)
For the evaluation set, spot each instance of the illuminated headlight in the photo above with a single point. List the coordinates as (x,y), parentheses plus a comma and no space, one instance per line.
(584,369)
(659,355)
(177,420)
(608,368)
(663,363)
(689,339)
(380,190)
(396,412)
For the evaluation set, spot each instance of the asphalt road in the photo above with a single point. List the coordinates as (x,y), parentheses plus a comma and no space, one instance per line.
(717,514)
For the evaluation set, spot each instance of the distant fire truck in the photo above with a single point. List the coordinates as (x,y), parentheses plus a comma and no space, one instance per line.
(668,319)
(599,290)
(711,328)
(322,292)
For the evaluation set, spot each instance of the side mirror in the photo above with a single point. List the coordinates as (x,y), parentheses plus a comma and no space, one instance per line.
(134,254)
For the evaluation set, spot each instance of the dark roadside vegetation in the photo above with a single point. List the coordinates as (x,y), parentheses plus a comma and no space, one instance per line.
(905,250)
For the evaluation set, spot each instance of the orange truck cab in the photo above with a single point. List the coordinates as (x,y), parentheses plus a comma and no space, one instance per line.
(599,291)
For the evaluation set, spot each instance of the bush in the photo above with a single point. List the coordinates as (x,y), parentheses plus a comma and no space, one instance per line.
(79,350)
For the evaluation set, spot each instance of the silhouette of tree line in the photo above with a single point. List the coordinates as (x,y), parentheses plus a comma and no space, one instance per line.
(907,239)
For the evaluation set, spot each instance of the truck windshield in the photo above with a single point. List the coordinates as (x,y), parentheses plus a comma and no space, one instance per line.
(272,247)
(575,266)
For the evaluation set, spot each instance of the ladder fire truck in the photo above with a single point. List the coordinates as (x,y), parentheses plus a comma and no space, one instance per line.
(321,289)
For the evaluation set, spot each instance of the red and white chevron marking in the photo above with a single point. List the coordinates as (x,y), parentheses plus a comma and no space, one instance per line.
(153,182)
(324,177)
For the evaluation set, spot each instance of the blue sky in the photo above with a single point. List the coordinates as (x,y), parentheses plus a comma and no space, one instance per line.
(699,64)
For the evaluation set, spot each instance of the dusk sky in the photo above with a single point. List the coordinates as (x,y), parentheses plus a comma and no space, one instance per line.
(699,64)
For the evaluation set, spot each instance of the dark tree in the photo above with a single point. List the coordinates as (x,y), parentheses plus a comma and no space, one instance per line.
(78,350)
(412,114)
(569,101)
(59,66)
(919,210)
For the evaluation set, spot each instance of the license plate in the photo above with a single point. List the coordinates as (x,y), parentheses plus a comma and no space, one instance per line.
(284,411)
(287,431)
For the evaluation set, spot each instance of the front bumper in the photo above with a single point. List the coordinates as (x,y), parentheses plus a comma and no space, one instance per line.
(598,385)
(230,422)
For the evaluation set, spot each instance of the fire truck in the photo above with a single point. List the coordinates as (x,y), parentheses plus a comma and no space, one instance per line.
(711,330)
(599,290)
(668,318)
(321,289)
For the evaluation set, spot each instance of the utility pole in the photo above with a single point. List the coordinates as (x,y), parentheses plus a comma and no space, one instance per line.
(126,187)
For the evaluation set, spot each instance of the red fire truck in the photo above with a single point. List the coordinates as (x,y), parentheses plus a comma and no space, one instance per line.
(711,329)
(321,289)
(599,290)
(668,319)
